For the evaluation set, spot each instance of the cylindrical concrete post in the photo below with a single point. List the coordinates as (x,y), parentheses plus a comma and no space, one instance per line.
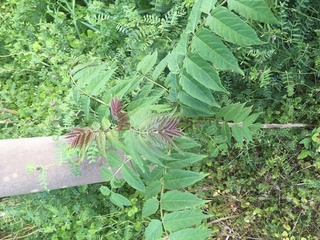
(15,154)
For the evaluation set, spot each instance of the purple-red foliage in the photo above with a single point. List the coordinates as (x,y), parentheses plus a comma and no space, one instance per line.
(166,128)
(80,137)
(118,114)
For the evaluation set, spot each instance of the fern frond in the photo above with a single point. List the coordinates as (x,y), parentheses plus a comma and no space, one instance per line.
(159,7)
(122,28)
(265,77)
(172,16)
(43,177)
(151,19)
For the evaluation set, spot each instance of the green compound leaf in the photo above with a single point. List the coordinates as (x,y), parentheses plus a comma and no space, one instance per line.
(254,10)
(194,17)
(184,159)
(150,207)
(207,5)
(237,133)
(197,90)
(202,108)
(122,88)
(187,143)
(105,190)
(237,113)
(226,133)
(147,63)
(203,72)
(115,182)
(92,78)
(106,173)
(193,112)
(251,119)
(176,179)
(176,200)
(190,234)
(154,230)
(242,114)
(159,68)
(132,144)
(232,28)
(152,189)
(156,174)
(183,219)
(247,135)
(132,178)
(212,49)
(119,200)
(113,159)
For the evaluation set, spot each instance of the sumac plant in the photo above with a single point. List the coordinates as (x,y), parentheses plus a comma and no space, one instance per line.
(134,120)
(155,154)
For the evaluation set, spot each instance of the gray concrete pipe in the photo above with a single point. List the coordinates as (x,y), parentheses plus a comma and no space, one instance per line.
(15,154)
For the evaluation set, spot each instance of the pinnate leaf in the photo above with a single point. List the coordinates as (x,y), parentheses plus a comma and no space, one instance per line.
(92,77)
(197,90)
(194,17)
(147,63)
(132,178)
(176,179)
(251,119)
(201,71)
(183,219)
(152,189)
(81,137)
(207,5)
(113,159)
(105,190)
(212,49)
(231,27)
(154,230)
(176,200)
(106,173)
(184,159)
(237,133)
(229,112)
(150,207)
(132,144)
(119,200)
(190,234)
(254,10)
(203,108)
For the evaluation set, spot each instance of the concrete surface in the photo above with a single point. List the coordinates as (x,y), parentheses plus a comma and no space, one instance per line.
(15,154)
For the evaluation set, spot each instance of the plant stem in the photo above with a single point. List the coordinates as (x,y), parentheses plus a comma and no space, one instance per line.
(161,209)
(6,122)
(159,85)
(222,219)
(275,125)
(8,110)
(84,92)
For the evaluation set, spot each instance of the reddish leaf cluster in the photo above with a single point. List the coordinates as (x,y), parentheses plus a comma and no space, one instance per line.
(80,137)
(118,114)
(166,128)
(161,130)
